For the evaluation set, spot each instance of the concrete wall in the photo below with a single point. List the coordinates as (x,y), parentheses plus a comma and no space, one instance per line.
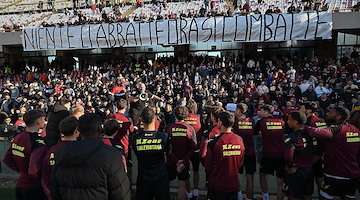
(346,20)
(9,38)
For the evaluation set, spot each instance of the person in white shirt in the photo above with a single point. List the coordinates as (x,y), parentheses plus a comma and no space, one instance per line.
(320,89)
(312,81)
(251,63)
(263,88)
(304,86)
(291,71)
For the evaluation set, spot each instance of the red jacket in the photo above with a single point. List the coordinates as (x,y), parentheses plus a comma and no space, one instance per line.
(273,139)
(245,129)
(222,162)
(126,128)
(18,155)
(194,121)
(342,149)
(47,167)
(214,131)
(183,143)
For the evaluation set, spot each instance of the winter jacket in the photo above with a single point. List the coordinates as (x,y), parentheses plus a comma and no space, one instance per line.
(52,129)
(89,169)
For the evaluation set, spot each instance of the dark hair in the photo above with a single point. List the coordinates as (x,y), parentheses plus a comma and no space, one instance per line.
(68,125)
(90,125)
(32,116)
(181,112)
(343,112)
(299,117)
(64,101)
(268,108)
(311,106)
(227,119)
(242,107)
(215,111)
(111,126)
(147,115)
(121,104)
(192,106)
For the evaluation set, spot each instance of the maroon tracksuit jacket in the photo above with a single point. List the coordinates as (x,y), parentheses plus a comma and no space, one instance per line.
(342,149)
(212,133)
(17,158)
(299,150)
(316,122)
(183,142)
(272,131)
(195,121)
(223,160)
(47,167)
(245,129)
(126,128)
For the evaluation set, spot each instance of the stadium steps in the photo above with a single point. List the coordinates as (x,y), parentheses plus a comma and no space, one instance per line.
(13,4)
(128,12)
(38,19)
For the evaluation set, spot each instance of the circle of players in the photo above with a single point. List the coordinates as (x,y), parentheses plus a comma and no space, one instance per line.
(226,143)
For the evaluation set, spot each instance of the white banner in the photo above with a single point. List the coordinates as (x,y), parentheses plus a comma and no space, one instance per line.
(250,28)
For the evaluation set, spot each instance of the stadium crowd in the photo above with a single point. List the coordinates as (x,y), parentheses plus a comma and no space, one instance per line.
(160,10)
(189,109)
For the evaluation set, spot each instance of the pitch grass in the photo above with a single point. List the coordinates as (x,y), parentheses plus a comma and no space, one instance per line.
(7,193)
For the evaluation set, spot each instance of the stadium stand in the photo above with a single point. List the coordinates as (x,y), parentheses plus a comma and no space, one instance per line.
(16,15)
(174,10)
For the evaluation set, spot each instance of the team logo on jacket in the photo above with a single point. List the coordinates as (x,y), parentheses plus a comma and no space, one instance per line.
(352,137)
(231,150)
(148,144)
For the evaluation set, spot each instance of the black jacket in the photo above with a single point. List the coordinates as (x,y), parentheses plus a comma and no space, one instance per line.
(91,170)
(52,129)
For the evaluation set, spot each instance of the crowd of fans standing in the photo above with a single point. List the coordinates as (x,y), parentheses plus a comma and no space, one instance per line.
(184,97)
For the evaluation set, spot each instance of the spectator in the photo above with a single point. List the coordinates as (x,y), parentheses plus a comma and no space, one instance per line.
(353,104)
(291,9)
(310,94)
(262,88)
(7,129)
(356,7)
(325,7)
(60,111)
